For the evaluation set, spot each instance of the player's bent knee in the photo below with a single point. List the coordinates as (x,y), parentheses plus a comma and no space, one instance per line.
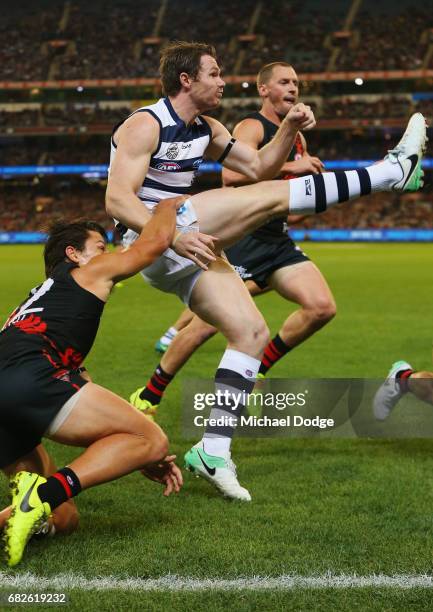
(254,336)
(323,311)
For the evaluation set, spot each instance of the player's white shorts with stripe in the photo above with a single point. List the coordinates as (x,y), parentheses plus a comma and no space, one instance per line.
(171,272)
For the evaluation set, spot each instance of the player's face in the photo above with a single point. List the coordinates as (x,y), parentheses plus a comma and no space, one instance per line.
(94,245)
(207,89)
(282,89)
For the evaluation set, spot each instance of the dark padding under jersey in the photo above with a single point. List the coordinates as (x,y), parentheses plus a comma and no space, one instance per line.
(227,150)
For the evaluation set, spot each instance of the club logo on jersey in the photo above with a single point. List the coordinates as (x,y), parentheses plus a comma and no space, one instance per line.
(308,187)
(168,166)
(173,151)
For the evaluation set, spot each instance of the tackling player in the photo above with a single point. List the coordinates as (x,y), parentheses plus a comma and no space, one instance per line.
(43,342)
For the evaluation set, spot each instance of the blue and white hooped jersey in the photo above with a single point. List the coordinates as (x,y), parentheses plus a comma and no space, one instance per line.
(178,155)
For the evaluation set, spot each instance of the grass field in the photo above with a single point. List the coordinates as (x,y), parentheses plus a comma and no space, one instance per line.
(320,507)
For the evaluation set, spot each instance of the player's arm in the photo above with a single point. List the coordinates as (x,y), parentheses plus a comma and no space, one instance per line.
(307,164)
(99,275)
(136,140)
(263,164)
(249,131)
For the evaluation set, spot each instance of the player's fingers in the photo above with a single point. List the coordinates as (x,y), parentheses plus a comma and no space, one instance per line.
(170,458)
(318,161)
(204,245)
(317,165)
(177,473)
(176,486)
(180,200)
(204,252)
(168,487)
(197,262)
(208,240)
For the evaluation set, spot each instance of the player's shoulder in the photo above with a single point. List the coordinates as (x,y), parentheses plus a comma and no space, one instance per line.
(139,127)
(249,128)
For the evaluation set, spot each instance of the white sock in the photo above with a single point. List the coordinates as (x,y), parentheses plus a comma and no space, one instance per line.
(317,192)
(169,335)
(236,373)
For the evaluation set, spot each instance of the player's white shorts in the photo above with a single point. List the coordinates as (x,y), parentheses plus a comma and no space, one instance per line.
(171,272)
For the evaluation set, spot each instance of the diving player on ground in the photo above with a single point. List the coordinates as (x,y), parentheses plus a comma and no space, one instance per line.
(43,342)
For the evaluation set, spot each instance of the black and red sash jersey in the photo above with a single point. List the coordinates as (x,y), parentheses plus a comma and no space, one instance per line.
(275,230)
(58,321)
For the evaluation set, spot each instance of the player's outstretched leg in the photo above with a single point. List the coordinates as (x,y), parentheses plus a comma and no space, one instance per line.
(249,207)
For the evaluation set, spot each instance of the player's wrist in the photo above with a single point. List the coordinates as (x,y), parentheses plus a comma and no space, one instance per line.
(176,237)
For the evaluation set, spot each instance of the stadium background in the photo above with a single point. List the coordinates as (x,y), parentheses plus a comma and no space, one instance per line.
(68,72)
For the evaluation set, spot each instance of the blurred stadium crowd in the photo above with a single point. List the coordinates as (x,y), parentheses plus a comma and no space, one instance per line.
(119,39)
(80,39)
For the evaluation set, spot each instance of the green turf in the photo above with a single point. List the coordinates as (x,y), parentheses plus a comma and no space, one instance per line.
(318,505)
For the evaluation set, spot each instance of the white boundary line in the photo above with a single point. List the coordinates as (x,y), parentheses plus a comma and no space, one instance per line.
(171,582)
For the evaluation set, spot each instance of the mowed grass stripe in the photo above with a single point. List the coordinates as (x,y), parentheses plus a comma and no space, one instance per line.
(28,581)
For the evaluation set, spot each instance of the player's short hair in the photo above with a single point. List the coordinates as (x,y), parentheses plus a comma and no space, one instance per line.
(265,72)
(62,234)
(181,56)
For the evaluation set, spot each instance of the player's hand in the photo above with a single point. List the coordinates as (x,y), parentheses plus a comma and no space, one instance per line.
(301,117)
(305,165)
(197,247)
(177,201)
(166,473)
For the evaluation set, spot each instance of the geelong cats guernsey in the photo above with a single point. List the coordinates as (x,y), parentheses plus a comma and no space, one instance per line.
(178,155)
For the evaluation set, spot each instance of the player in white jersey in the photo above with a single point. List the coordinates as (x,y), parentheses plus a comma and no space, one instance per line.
(193,268)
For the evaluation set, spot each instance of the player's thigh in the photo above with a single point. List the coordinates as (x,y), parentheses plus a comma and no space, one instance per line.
(98,413)
(303,284)
(221,299)
(231,213)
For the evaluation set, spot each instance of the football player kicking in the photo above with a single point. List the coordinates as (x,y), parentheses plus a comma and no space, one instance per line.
(154,154)
(42,344)
(266,259)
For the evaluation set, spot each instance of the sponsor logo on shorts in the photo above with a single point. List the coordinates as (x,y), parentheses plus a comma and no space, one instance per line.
(168,166)
(197,163)
(243,272)
(248,373)
(308,187)
(186,145)
(173,151)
